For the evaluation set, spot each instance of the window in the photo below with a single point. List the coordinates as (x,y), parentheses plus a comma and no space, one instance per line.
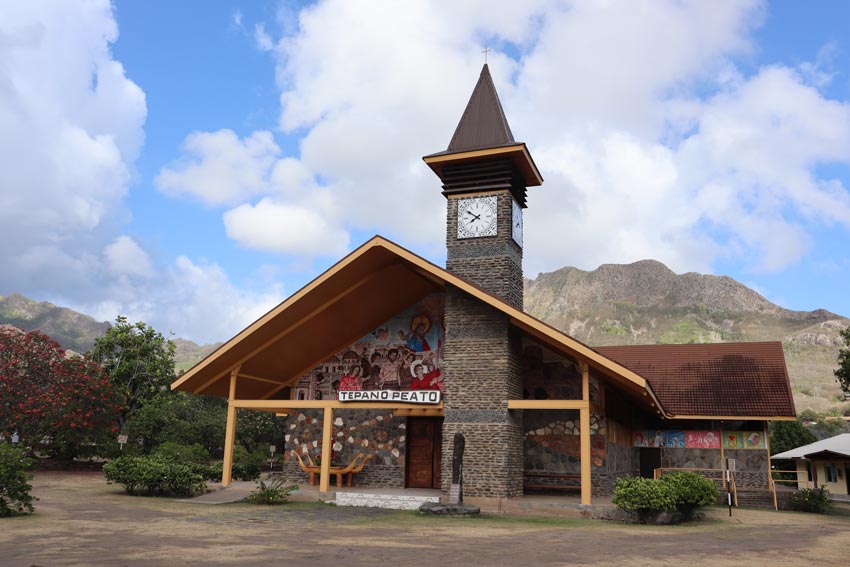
(809,470)
(831,472)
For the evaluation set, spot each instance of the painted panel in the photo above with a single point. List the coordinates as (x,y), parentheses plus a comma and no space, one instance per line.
(404,353)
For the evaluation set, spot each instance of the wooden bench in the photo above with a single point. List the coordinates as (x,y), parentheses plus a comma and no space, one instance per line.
(551,486)
(355,466)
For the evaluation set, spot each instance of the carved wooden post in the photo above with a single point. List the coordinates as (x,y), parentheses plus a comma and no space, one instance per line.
(456,494)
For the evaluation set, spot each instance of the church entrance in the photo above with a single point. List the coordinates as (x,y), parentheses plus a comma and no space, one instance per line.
(424,451)
(650,459)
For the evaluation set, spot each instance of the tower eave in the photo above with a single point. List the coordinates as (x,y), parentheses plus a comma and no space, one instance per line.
(517,152)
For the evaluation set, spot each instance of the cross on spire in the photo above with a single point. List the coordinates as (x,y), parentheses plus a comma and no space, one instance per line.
(485,52)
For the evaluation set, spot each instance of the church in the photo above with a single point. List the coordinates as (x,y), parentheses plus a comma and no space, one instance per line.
(385,357)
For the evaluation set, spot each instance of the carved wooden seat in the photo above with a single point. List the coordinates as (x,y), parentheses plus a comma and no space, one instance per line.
(357,469)
(313,469)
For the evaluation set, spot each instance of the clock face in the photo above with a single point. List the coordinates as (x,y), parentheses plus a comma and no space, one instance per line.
(476,216)
(516,223)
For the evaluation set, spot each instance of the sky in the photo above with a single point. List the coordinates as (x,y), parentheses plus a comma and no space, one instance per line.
(191,164)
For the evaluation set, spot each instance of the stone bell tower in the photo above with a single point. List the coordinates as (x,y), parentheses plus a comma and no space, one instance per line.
(484,174)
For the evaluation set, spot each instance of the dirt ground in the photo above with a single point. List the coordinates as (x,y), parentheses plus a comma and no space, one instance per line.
(80,520)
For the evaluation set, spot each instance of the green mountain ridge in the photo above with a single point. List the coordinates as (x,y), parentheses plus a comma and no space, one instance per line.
(77,331)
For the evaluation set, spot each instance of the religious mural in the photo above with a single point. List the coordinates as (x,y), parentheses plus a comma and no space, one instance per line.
(699,439)
(404,353)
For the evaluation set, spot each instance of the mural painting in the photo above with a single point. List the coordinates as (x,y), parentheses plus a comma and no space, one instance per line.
(698,439)
(404,353)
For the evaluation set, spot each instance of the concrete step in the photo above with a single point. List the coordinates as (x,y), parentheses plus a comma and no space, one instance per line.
(398,501)
(754,498)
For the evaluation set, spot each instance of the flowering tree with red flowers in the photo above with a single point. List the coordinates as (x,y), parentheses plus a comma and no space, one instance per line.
(51,399)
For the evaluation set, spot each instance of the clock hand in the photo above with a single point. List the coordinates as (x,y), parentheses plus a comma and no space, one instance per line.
(474,216)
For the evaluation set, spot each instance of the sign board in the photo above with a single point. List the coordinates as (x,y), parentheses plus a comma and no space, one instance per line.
(122,439)
(272,449)
(730,465)
(430,397)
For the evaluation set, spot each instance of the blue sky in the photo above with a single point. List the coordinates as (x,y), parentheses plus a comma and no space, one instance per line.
(193,163)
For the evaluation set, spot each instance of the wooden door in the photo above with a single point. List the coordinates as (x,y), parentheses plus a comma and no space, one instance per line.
(424,451)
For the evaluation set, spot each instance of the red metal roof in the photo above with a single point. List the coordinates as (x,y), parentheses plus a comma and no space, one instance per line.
(722,379)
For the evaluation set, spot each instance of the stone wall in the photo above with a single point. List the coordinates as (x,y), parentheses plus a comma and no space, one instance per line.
(751,465)
(375,432)
(482,369)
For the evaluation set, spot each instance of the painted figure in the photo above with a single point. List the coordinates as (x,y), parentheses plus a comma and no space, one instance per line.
(352,381)
(424,379)
(418,327)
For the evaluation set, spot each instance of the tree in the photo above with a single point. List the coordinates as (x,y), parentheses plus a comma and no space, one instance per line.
(787,435)
(842,373)
(138,360)
(50,399)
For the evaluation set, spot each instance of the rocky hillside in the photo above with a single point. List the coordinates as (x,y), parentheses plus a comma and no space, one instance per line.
(76,331)
(646,303)
(69,328)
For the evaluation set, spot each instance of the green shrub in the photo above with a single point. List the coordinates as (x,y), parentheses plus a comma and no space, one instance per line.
(178,453)
(691,491)
(153,476)
(240,471)
(812,500)
(644,497)
(15,489)
(273,492)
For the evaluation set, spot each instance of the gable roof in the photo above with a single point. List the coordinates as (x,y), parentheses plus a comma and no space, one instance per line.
(735,380)
(838,446)
(358,293)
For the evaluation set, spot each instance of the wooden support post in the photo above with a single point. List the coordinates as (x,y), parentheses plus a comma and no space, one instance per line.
(325,473)
(230,432)
(722,457)
(584,433)
(770,483)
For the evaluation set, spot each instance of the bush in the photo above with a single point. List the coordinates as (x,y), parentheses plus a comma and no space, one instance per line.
(241,471)
(691,491)
(15,496)
(644,497)
(153,476)
(811,500)
(681,492)
(178,453)
(273,492)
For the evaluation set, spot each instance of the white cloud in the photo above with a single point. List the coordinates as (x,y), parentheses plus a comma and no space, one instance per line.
(70,129)
(652,141)
(263,39)
(124,256)
(193,300)
(285,228)
(220,168)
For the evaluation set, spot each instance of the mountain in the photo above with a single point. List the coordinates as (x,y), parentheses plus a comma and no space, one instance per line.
(76,331)
(640,303)
(646,302)
(72,330)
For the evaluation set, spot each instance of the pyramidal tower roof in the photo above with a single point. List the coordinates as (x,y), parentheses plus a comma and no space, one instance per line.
(483,124)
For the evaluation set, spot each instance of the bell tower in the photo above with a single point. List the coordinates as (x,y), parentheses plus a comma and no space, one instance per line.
(485,173)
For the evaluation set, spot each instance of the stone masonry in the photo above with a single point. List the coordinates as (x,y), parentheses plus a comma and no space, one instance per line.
(482,366)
